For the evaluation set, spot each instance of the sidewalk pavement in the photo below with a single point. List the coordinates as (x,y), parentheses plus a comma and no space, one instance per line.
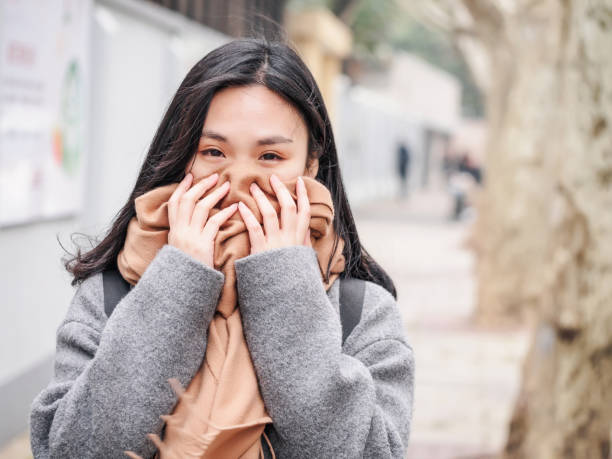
(466,377)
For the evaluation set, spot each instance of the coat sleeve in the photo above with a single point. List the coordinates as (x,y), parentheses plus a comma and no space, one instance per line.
(326,399)
(110,375)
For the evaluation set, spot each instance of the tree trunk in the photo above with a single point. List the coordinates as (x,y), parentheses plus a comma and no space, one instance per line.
(545,221)
(565,409)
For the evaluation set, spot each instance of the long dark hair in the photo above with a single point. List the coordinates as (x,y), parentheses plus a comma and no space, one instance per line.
(245,61)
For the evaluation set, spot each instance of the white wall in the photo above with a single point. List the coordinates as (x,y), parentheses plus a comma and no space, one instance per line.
(425,92)
(139,55)
(369,129)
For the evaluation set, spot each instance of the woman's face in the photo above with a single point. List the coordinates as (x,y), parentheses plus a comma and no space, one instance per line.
(257,128)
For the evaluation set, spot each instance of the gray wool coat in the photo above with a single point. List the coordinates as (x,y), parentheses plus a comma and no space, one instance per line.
(327,399)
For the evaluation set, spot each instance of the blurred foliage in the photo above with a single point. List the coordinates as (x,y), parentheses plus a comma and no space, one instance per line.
(378,25)
(438,49)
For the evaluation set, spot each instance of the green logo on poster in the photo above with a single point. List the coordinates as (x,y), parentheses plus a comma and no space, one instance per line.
(67,135)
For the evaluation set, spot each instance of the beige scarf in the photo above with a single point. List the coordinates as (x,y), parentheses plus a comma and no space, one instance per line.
(222,414)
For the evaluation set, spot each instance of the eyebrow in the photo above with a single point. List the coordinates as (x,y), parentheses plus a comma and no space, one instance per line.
(271,140)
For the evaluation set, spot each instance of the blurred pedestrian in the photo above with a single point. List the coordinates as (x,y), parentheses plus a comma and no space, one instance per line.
(403,168)
(461,185)
(468,165)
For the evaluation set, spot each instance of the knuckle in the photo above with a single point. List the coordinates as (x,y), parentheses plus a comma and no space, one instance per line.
(217,218)
(207,203)
(204,185)
(252,225)
(201,204)
(268,212)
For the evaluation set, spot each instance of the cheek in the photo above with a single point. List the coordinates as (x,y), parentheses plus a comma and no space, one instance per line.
(290,171)
(199,167)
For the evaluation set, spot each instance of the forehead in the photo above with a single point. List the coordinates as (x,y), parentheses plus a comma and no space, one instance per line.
(251,110)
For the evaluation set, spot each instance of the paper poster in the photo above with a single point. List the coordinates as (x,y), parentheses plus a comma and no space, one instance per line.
(44,84)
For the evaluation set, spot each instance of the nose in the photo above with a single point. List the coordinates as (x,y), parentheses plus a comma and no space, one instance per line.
(240,176)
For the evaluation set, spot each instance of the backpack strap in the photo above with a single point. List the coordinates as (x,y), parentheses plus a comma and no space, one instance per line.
(352,292)
(115,288)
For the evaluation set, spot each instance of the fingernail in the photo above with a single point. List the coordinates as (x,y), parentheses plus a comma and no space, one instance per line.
(300,180)
(188,176)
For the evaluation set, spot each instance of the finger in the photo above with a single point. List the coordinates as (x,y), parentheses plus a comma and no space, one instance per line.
(287,204)
(188,200)
(303,214)
(307,240)
(203,207)
(256,234)
(214,223)
(268,214)
(174,197)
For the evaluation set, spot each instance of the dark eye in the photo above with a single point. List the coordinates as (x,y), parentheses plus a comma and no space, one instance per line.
(274,156)
(211,152)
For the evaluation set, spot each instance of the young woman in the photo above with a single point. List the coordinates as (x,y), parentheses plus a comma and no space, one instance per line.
(235,241)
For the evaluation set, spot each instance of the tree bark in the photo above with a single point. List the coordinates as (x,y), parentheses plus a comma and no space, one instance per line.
(565,410)
(545,220)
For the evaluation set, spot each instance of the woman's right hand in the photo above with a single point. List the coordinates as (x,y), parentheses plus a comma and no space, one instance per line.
(190,228)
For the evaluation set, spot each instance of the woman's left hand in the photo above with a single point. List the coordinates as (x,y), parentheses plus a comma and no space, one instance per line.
(294,227)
